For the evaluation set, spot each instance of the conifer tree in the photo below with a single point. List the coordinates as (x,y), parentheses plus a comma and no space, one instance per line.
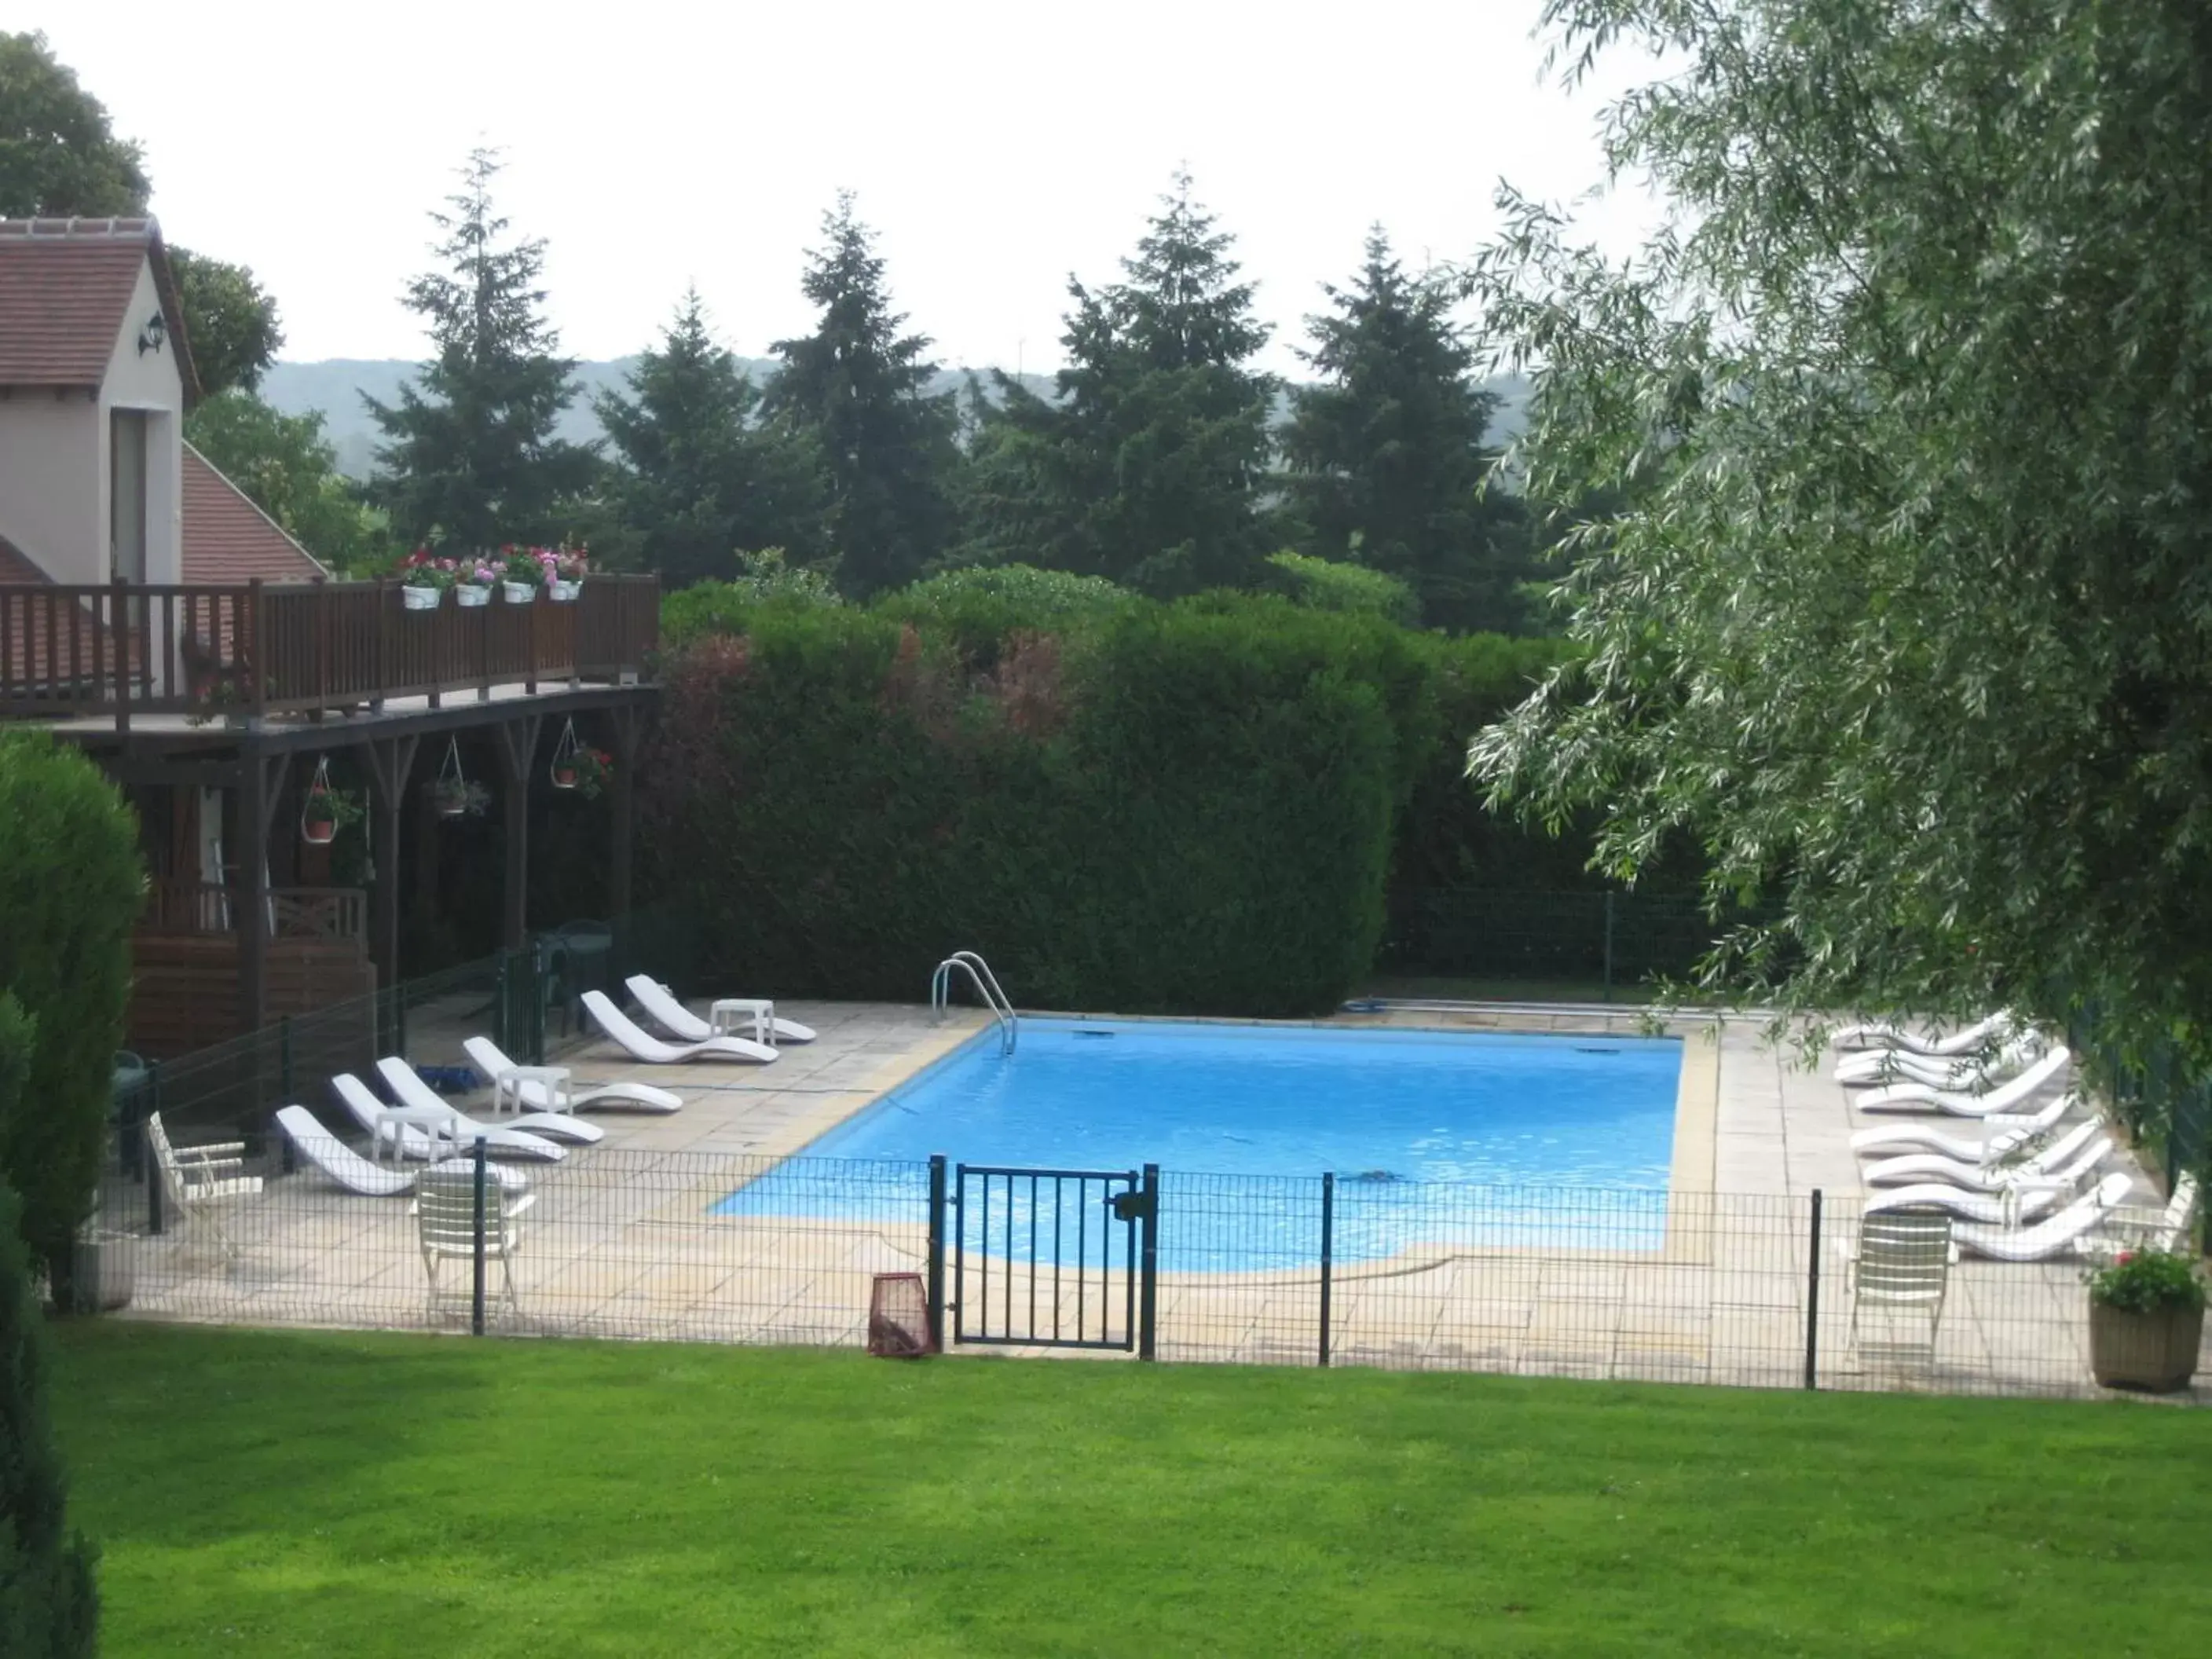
(1386,459)
(858,388)
(470,457)
(700,476)
(49,1608)
(1149,468)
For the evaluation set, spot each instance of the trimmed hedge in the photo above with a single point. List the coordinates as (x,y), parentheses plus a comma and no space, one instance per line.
(1125,806)
(71,885)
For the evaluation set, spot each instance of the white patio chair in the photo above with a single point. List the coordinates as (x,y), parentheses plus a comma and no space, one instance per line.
(410,1090)
(1921,1096)
(489,1058)
(446,1227)
(1898,1276)
(653,1051)
(666,1010)
(202,1183)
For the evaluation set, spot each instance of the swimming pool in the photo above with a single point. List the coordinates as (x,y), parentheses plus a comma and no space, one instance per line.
(1244,1120)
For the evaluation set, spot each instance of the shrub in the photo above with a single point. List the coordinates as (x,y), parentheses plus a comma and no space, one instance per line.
(70,889)
(980,607)
(764,581)
(1332,585)
(2149,1281)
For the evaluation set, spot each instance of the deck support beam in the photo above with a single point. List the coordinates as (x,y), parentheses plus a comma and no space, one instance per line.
(390,761)
(626,722)
(518,749)
(265,790)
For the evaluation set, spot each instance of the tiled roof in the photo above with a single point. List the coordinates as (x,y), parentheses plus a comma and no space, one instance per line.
(15,565)
(65,287)
(228,539)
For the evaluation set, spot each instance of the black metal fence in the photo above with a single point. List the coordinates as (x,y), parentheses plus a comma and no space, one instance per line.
(1716,1288)
(1604,942)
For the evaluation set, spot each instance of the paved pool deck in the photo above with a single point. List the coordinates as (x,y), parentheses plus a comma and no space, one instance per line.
(622,1240)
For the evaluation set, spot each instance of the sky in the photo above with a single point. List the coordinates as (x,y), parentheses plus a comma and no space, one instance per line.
(997,149)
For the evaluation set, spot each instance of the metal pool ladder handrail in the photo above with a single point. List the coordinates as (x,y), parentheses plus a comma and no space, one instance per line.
(986,987)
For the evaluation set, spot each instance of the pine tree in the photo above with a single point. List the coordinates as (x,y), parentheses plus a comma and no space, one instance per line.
(859,388)
(49,1608)
(701,476)
(1149,469)
(474,463)
(1386,456)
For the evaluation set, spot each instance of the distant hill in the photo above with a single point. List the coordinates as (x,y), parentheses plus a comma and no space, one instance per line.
(333,389)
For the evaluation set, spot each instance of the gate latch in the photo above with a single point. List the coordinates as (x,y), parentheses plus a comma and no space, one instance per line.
(1134,1204)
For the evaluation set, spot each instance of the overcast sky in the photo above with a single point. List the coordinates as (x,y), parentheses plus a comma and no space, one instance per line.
(996,148)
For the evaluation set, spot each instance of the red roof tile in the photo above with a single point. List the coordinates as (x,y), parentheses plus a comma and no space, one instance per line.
(227,539)
(65,287)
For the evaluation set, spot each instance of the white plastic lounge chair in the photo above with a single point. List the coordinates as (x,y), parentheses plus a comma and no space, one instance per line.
(446,1226)
(652,1050)
(1898,1275)
(2168,1232)
(1868,1070)
(666,1010)
(1885,1034)
(1920,1097)
(410,1140)
(2005,1132)
(1998,1209)
(2051,1163)
(2060,1234)
(488,1058)
(409,1090)
(355,1173)
(201,1182)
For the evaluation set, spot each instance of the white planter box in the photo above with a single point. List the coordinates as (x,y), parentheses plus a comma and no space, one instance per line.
(468,595)
(421,599)
(565,593)
(520,593)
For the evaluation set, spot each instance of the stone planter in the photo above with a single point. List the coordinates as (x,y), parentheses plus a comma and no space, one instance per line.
(2154,1351)
(469,595)
(103,1274)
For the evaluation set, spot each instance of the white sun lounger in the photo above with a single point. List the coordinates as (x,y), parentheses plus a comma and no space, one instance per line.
(411,1141)
(1868,1070)
(1920,1097)
(666,1010)
(2005,1132)
(1995,1208)
(651,1049)
(2051,1163)
(2060,1234)
(2168,1232)
(355,1173)
(409,1090)
(489,1058)
(1885,1034)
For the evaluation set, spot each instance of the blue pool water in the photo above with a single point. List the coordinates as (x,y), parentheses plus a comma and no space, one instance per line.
(1436,1137)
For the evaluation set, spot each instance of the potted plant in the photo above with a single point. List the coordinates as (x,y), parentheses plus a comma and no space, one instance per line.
(523,574)
(473,582)
(423,580)
(585,770)
(2146,1321)
(566,581)
(326,812)
(458,798)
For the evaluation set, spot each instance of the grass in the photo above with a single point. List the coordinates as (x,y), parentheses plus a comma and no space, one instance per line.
(273,1493)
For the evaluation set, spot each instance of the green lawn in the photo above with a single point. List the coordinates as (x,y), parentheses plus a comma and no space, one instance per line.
(340,1494)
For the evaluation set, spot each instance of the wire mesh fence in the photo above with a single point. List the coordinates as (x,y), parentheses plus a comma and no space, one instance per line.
(1613,1284)
(1604,942)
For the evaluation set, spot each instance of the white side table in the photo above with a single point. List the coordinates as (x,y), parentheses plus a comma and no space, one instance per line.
(437,1121)
(759,1012)
(510,1088)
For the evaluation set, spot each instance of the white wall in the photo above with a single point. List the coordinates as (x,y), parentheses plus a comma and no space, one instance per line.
(53,490)
(148,380)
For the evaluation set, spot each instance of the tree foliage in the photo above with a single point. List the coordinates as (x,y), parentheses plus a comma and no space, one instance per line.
(1907,614)
(1327,584)
(1149,467)
(229,320)
(59,155)
(71,885)
(286,466)
(858,389)
(1385,456)
(470,459)
(698,475)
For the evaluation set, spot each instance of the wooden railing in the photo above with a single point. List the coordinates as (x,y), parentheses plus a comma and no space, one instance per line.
(325,915)
(301,648)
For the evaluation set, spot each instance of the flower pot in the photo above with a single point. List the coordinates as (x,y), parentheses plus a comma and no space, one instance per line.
(451,803)
(520,593)
(318,832)
(564,777)
(2155,1352)
(565,593)
(421,599)
(469,594)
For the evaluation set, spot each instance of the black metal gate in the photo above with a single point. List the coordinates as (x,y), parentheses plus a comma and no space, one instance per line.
(1054,1258)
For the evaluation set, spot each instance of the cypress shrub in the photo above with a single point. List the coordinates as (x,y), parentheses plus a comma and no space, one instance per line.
(48,1606)
(71,885)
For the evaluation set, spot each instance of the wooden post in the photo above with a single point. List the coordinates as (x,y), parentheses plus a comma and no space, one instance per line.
(257,637)
(518,747)
(628,722)
(264,786)
(119,626)
(389,763)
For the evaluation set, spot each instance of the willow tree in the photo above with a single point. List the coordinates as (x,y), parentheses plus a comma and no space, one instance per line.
(1907,611)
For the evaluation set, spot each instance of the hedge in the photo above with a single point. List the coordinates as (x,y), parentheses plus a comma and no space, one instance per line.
(1126,806)
(71,886)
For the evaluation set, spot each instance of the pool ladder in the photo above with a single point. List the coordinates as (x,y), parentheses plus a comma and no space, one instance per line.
(986,987)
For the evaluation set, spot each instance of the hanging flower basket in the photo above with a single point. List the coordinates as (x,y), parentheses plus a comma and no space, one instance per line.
(319,825)
(452,793)
(325,811)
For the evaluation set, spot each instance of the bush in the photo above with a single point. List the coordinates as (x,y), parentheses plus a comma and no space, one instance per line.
(1332,585)
(2149,1281)
(980,607)
(70,889)
(766,581)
